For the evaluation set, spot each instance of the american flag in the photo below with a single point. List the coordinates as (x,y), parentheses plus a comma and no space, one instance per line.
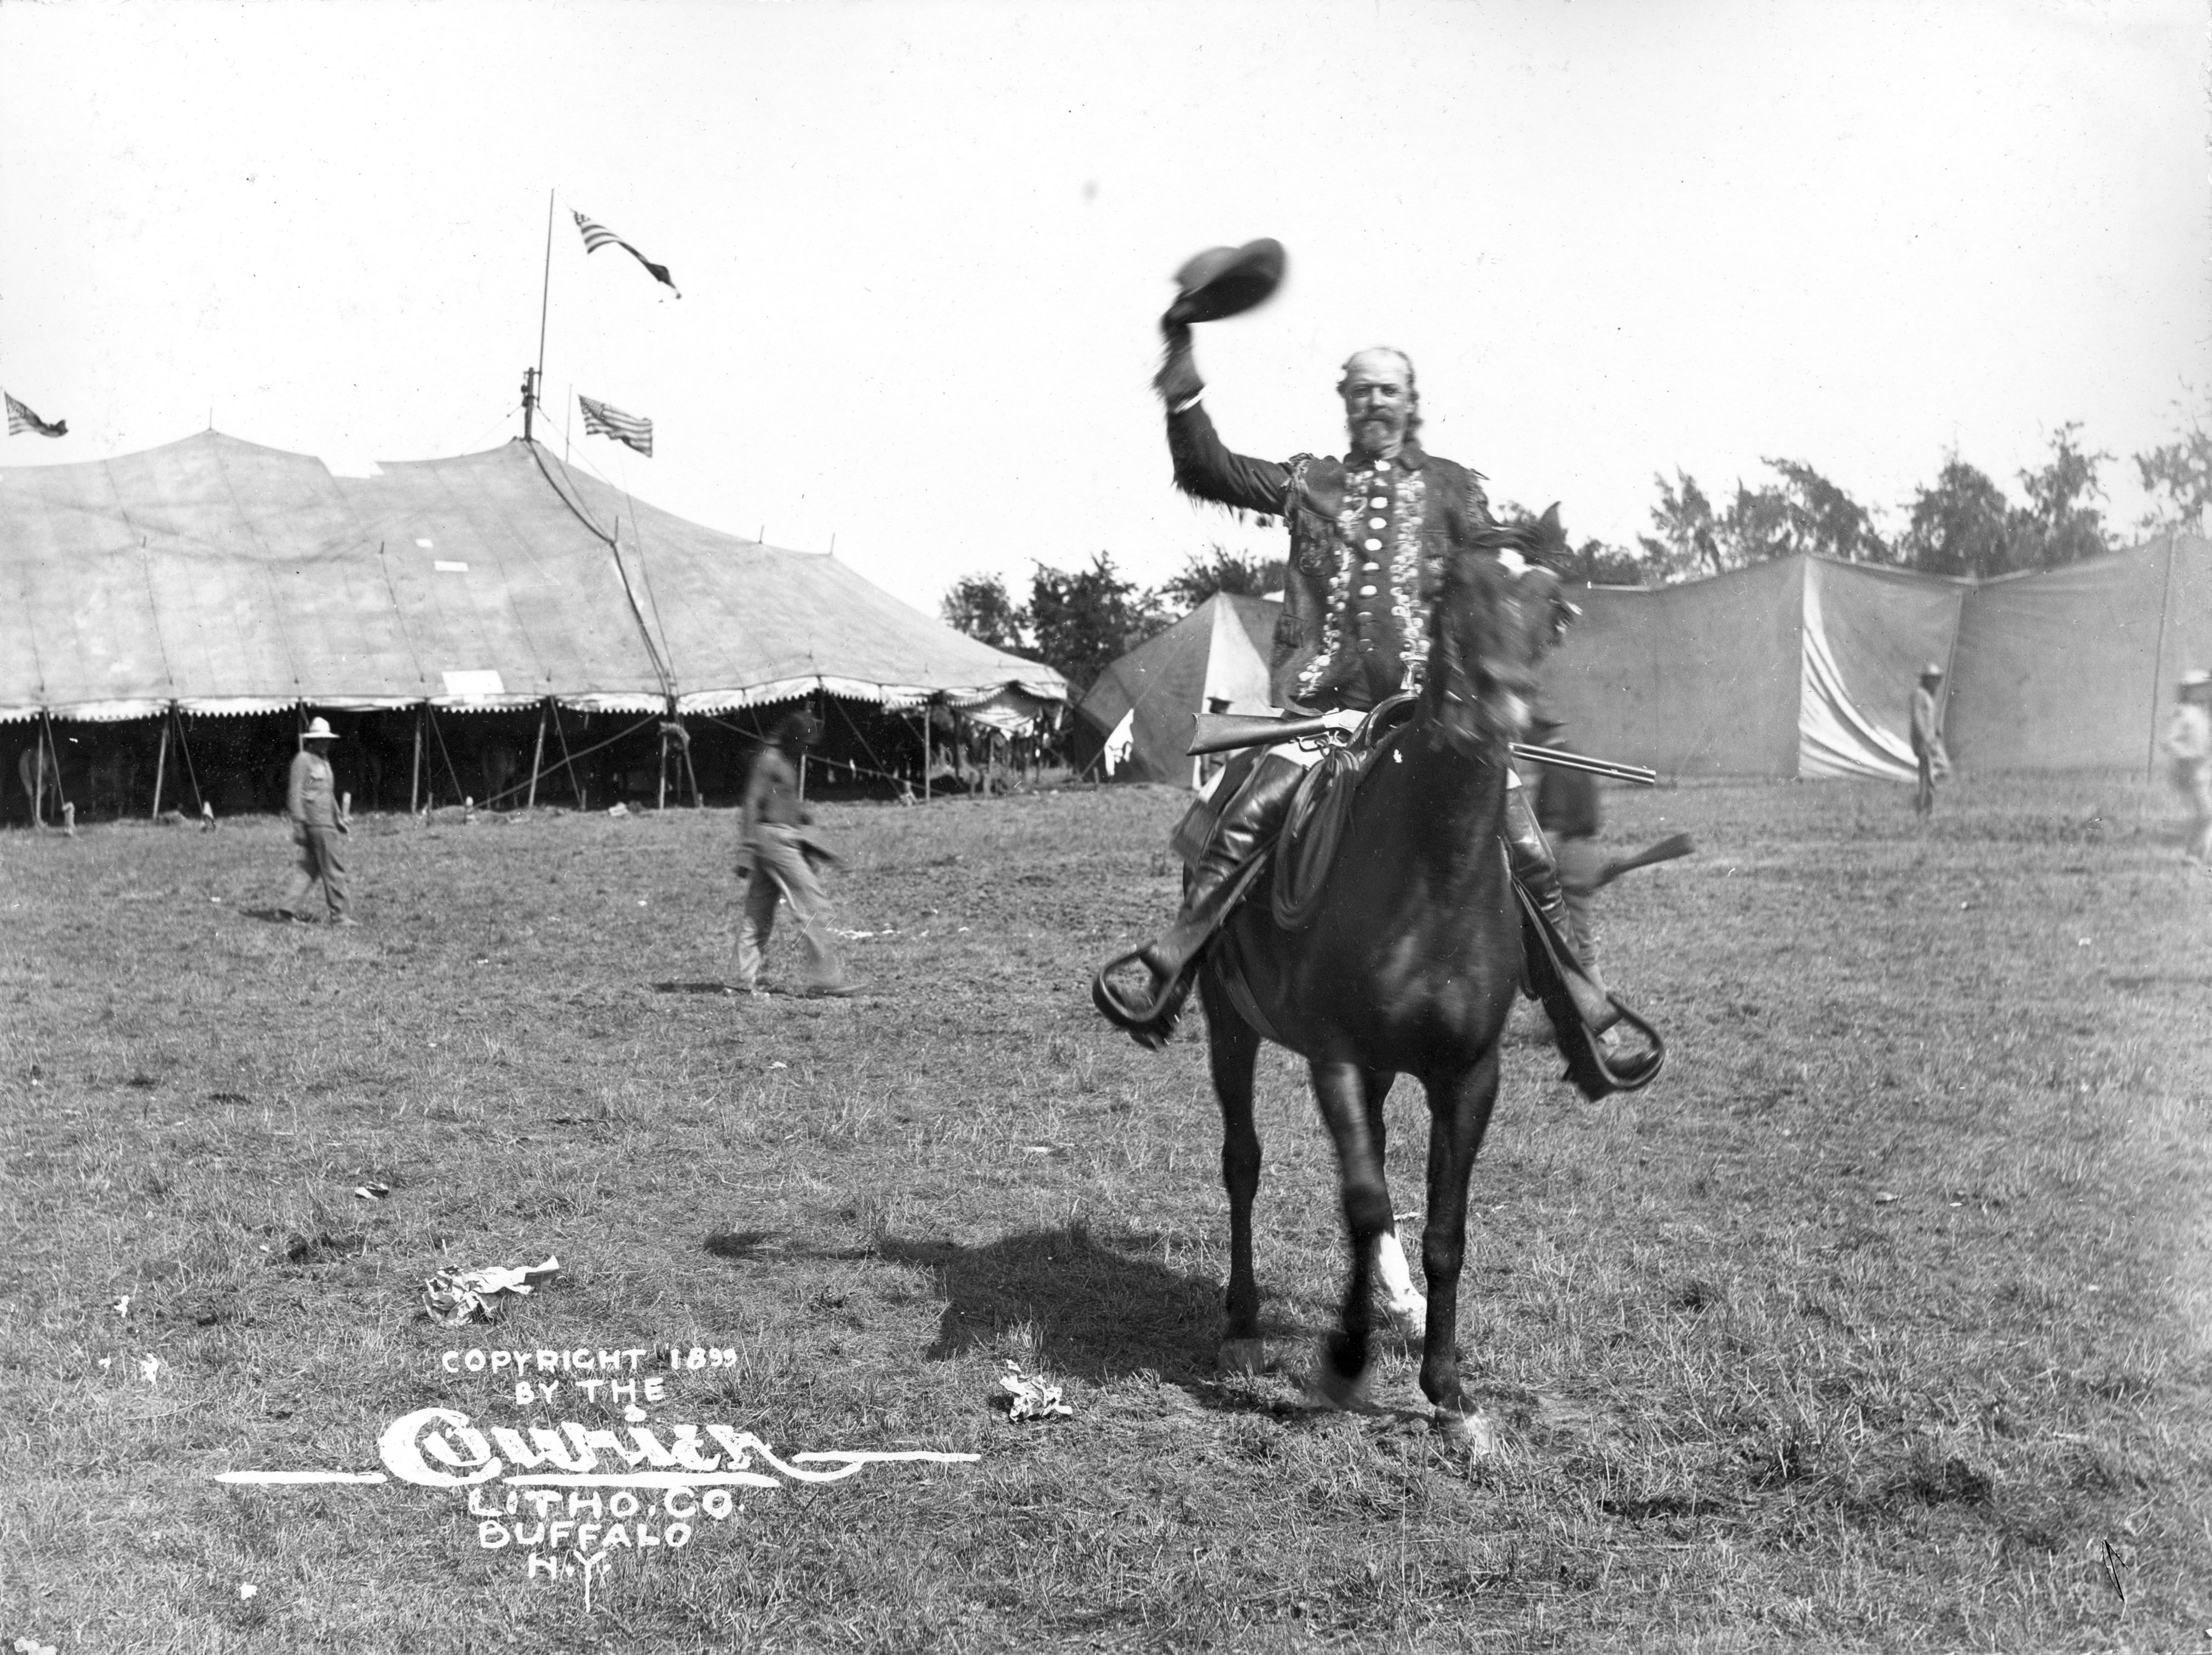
(601,420)
(21,419)
(596,235)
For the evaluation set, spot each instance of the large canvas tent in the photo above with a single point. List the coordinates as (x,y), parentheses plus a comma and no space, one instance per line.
(215,576)
(1805,668)
(1214,659)
(1799,667)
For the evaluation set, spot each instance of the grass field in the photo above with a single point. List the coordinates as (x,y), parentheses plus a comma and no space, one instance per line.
(1879,1322)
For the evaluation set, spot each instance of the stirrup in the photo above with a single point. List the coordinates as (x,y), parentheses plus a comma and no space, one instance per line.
(1150,1022)
(1595,1074)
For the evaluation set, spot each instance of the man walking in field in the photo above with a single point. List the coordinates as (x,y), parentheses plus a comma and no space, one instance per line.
(774,863)
(1928,740)
(2189,743)
(312,807)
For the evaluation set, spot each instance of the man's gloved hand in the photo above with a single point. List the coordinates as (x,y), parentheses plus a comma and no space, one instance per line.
(1177,381)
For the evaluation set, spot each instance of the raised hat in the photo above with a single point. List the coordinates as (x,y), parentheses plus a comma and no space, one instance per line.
(319,730)
(1931,670)
(2196,678)
(1227,280)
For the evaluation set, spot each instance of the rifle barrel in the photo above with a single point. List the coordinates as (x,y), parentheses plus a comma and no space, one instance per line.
(1224,732)
(1564,761)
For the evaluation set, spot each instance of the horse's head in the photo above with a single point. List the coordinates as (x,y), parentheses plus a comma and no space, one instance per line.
(1493,623)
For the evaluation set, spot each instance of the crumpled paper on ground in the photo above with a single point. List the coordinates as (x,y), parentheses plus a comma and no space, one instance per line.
(1033,1399)
(455,1296)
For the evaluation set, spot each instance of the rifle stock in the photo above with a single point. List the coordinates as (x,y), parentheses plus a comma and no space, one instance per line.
(1224,732)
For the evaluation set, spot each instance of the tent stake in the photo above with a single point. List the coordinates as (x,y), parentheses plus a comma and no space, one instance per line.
(161,768)
(537,758)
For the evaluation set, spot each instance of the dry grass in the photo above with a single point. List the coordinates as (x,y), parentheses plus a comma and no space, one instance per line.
(1879,1323)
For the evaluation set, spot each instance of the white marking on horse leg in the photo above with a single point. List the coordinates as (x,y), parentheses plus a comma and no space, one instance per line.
(1407,1310)
(1472,1433)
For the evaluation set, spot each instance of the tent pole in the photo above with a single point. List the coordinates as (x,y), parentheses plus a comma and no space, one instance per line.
(925,752)
(415,773)
(545,293)
(160,769)
(660,799)
(560,735)
(696,801)
(537,758)
(2158,655)
(184,752)
(54,759)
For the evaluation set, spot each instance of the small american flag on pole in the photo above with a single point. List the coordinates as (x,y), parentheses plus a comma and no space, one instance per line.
(21,419)
(601,421)
(596,235)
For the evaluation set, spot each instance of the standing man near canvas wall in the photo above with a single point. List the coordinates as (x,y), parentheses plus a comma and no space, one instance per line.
(1928,740)
(2188,743)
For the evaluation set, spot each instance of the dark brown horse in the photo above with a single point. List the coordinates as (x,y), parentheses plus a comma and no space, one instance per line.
(1408,966)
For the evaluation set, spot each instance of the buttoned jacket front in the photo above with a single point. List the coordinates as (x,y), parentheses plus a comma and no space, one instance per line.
(1368,540)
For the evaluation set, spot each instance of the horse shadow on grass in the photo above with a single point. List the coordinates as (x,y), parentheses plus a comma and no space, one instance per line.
(1094,1305)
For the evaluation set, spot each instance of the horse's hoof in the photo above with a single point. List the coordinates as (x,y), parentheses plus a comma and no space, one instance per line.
(1327,1388)
(1246,1356)
(1409,1317)
(1472,1435)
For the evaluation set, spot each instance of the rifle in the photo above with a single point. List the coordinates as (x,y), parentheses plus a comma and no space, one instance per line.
(1221,733)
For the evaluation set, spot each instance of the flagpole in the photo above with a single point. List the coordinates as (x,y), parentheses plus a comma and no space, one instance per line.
(544,295)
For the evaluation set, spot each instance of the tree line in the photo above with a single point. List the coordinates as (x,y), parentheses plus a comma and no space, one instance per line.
(1960,524)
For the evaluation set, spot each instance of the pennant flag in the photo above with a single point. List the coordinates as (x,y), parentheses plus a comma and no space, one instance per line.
(21,419)
(601,420)
(596,236)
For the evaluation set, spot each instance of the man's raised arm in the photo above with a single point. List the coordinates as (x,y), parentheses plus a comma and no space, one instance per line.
(1203,467)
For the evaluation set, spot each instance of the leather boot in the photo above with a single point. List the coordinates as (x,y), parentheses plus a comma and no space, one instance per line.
(1248,823)
(1530,857)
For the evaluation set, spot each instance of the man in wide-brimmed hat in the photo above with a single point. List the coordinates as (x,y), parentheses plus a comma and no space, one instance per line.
(311,805)
(1928,754)
(2188,743)
(1371,534)
(775,858)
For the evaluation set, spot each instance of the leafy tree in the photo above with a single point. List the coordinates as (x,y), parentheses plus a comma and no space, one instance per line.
(978,604)
(1963,525)
(1218,569)
(2060,526)
(2178,477)
(1083,619)
(1688,542)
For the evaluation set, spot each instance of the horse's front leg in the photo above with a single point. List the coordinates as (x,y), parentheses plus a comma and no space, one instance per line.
(1340,1088)
(1232,1049)
(1402,1301)
(1459,1114)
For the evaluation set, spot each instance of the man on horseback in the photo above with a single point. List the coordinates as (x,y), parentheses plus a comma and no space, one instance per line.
(1370,534)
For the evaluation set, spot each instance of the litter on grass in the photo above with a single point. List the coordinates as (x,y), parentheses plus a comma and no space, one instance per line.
(1030,1398)
(455,1296)
(371,1191)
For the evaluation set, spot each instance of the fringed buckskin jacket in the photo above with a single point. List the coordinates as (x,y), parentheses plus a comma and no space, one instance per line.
(1368,538)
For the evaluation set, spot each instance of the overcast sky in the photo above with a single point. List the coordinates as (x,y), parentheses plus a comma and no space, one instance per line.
(923,244)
